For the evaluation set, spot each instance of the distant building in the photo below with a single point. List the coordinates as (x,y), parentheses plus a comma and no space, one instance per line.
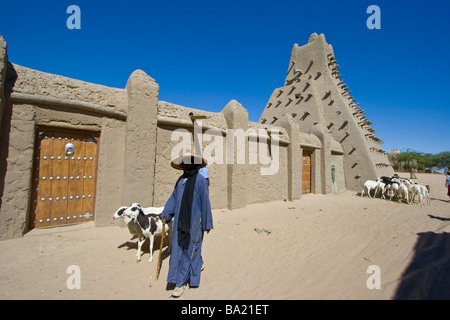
(391,156)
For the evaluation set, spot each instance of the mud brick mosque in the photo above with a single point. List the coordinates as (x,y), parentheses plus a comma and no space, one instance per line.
(72,151)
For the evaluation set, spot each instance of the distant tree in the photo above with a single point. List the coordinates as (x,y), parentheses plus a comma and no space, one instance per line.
(441,159)
(427,160)
(414,160)
(411,160)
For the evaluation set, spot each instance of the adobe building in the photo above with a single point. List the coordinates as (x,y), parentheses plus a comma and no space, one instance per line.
(72,151)
(319,101)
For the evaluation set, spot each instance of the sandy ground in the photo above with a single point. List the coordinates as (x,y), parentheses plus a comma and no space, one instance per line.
(319,247)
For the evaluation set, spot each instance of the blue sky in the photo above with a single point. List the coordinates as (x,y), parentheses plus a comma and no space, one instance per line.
(205,53)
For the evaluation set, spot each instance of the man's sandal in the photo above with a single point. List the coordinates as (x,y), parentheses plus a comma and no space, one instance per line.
(178,291)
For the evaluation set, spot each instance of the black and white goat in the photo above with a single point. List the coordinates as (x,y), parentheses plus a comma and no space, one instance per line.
(394,188)
(144,223)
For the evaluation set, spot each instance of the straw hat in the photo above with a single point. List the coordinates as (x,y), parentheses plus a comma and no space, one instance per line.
(189,158)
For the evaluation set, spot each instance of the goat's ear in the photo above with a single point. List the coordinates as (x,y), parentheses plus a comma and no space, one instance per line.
(121,210)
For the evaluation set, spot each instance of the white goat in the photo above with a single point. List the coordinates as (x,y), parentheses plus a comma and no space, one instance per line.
(417,189)
(369,185)
(403,192)
(380,189)
(143,222)
(392,190)
(414,190)
(424,191)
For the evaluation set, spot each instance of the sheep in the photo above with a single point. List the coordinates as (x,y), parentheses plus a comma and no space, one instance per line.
(380,189)
(369,185)
(132,225)
(143,222)
(392,190)
(384,179)
(402,190)
(392,187)
(149,221)
(424,191)
(417,189)
(414,190)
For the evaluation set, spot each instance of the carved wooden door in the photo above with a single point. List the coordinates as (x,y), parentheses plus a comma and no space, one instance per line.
(306,172)
(64,177)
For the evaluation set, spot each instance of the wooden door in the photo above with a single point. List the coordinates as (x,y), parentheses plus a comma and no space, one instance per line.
(306,172)
(63,182)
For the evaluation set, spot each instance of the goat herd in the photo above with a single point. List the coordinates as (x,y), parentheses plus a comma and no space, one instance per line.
(400,189)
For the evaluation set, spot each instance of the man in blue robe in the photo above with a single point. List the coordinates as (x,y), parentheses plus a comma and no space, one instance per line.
(190,208)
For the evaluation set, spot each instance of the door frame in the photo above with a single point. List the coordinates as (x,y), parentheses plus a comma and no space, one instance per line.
(35,161)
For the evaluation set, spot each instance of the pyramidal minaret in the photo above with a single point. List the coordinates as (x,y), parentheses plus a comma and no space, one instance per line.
(314,94)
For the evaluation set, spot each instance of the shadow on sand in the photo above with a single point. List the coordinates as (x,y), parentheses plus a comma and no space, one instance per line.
(132,245)
(428,275)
